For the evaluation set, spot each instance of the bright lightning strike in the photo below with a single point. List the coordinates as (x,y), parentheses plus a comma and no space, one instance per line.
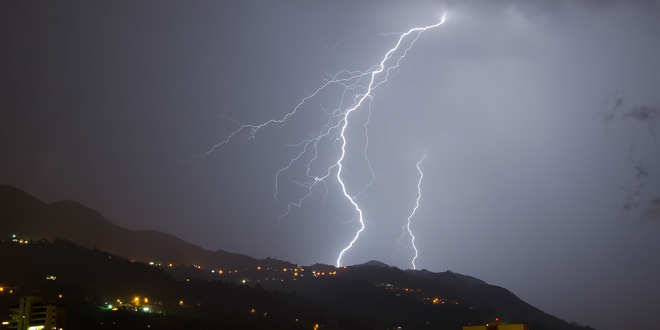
(339,164)
(362,85)
(414,210)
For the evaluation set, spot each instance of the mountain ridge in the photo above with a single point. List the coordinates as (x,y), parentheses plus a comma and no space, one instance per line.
(70,220)
(30,217)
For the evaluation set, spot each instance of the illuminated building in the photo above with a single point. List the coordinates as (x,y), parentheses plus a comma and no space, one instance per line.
(497,326)
(33,314)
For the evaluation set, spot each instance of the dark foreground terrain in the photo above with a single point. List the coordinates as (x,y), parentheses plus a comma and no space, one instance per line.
(67,254)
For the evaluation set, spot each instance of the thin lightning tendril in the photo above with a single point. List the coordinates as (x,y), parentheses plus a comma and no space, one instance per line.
(414,210)
(361,85)
(372,173)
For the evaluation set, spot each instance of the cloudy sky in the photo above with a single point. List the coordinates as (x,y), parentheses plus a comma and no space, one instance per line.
(540,121)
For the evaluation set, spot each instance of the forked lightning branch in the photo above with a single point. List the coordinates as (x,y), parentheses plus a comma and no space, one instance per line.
(358,89)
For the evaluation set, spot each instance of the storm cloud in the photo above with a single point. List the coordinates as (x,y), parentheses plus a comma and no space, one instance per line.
(113,104)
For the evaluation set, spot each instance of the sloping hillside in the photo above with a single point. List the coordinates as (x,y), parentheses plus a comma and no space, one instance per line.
(359,293)
(29,217)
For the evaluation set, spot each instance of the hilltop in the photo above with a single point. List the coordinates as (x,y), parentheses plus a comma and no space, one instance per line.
(104,260)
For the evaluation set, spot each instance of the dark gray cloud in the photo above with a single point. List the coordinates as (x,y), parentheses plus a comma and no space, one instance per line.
(634,198)
(643,113)
(614,110)
(654,209)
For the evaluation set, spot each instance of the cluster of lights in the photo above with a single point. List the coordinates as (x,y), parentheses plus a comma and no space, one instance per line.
(222,272)
(290,272)
(298,272)
(316,326)
(440,301)
(7,290)
(137,304)
(253,311)
(407,291)
(317,274)
(160,264)
(16,239)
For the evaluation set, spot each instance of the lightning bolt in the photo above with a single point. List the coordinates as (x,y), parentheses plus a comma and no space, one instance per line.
(362,85)
(370,87)
(414,210)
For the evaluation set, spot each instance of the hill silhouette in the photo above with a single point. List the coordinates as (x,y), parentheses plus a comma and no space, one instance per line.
(28,216)
(370,295)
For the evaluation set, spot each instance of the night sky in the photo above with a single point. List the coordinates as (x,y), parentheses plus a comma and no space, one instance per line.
(540,121)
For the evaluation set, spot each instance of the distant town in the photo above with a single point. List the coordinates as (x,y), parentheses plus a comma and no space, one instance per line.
(32,309)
